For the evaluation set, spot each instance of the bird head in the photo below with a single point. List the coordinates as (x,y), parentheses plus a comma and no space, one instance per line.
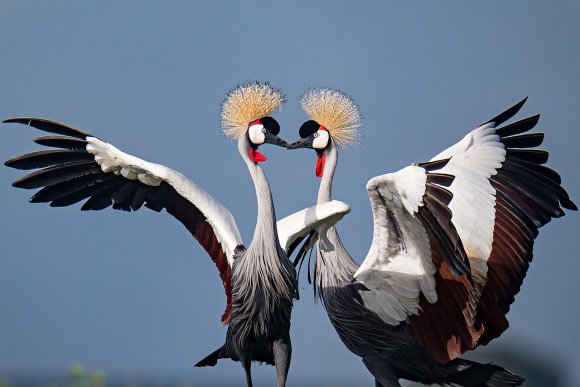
(335,119)
(246,116)
(314,136)
(263,131)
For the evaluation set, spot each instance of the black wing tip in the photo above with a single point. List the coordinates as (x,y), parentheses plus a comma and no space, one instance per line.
(568,204)
(49,126)
(535,118)
(11,163)
(433,165)
(23,120)
(519,105)
(509,113)
(34,199)
(19,120)
(20,184)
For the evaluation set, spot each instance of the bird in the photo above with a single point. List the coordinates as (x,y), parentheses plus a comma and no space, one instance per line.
(259,280)
(452,241)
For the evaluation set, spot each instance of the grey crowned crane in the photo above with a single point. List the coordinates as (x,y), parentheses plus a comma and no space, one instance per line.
(259,280)
(451,245)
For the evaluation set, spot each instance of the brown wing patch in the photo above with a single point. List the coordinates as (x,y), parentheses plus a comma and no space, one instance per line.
(446,328)
(192,218)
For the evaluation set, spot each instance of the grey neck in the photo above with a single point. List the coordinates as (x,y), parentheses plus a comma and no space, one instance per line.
(266,221)
(262,272)
(333,268)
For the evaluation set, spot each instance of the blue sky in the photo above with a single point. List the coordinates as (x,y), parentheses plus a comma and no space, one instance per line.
(134,293)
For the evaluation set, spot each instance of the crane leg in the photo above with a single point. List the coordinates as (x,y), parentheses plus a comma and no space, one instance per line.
(282,349)
(247,364)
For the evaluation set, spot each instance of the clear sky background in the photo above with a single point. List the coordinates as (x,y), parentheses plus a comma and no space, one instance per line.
(134,293)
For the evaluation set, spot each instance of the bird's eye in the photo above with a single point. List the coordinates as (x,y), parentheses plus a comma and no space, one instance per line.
(321,139)
(263,130)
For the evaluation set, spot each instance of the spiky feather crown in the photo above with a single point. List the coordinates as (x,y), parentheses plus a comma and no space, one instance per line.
(247,103)
(337,112)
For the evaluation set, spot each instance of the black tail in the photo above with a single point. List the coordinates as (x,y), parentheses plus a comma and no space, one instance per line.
(211,359)
(471,373)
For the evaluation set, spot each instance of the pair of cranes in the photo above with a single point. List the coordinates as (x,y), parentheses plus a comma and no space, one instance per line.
(441,271)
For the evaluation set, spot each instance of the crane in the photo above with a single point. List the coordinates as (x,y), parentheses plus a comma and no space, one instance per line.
(259,280)
(451,245)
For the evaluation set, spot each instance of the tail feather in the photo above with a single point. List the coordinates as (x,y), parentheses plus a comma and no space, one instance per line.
(476,374)
(211,359)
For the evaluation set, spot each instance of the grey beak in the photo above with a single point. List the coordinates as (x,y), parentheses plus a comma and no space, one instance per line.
(302,143)
(275,140)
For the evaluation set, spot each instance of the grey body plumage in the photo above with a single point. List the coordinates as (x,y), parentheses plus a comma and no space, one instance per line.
(264,285)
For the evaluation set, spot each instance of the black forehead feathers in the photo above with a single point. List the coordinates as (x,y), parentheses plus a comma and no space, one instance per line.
(271,124)
(308,128)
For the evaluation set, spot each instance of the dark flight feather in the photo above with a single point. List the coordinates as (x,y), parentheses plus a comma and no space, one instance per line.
(509,113)
(50,126)
(47,158)
(61,142)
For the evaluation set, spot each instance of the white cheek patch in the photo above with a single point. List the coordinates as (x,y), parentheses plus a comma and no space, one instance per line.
(256,135)
(321,141)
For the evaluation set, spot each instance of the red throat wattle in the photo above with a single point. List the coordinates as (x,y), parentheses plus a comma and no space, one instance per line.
(256,156)
(320,159)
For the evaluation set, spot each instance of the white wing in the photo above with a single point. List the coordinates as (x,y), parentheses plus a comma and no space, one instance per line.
(84,167)
(483,226)
(473,161)
(112,160)
(410,221)
(318,219)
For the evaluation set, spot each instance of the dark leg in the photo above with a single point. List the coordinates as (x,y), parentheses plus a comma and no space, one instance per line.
(248,368)
(282,350)
(384,375)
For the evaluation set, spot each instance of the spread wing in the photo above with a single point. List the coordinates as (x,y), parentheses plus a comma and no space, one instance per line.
(311,223)
(412,224)
(500,195)
(80,166)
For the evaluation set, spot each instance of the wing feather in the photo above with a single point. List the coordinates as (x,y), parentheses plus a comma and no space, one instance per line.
(84,167)
(56,174)
(412,225)
(318,218)
(502,194)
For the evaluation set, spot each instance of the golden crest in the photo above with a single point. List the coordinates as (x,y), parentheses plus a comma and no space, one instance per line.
(247,103)
(337,112)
